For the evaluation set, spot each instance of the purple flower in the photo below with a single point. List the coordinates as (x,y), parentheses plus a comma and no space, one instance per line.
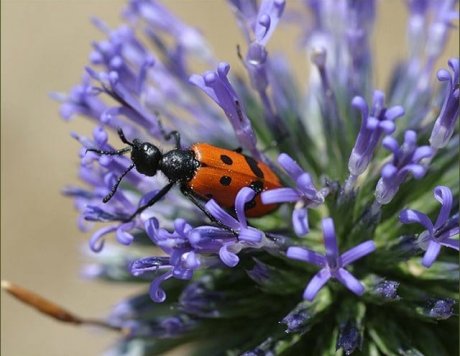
(258,28)
(119,87)
(441,309)
(268,16)
(297,320)
(217,86)
(443,15)
(387,290)
(96,241)
(333,120)
(245,232)
(374,124)
(439,234)
(446,122)
(406,159)
(247,235)
(182,261)
(342,29)
(191,248)
(361,16)
(304,195)
(332,264)
(82,100)
(160,19)
(349,337)
(141,73)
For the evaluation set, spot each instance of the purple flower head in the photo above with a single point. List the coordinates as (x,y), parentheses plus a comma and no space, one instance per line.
(446,122)
(441,309)
(360,16)
(416,26)
(304,195)
(217,86)
(387,290)
(115,85)
(188,249)
(374,124)
(441,232)
(96,242)
(406,159)
(332,264)
(117,51)
(183,257)
(443,15)
(160,19)
(296,320)
(231,271)
(246,15)
(269,14)
(182,260)
(349,338)
(258,28)
(82,100)
(247,235)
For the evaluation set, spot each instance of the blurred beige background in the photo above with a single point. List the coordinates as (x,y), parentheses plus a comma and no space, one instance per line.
(45,45)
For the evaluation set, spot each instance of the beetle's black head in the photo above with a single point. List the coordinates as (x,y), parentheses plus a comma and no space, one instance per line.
(146,157)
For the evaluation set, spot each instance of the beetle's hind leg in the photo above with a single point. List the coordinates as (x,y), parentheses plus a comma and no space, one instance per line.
(199,204)
(167,135)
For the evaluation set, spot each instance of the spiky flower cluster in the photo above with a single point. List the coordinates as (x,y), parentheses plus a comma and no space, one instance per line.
(358,165)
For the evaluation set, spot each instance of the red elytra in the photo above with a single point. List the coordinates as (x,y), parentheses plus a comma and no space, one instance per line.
(223,173)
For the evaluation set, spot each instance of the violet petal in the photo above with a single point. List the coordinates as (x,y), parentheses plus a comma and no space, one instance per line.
(431,253)
(316,283)
(349,281)
(408,216)
(444,196)
(306,255)
(357,252)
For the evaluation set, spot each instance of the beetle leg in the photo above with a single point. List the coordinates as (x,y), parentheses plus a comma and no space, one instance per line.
(201,206)
(152,201)
(176,136)
(167,135)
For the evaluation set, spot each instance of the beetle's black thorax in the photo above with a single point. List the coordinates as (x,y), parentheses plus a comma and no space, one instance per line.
(179,165)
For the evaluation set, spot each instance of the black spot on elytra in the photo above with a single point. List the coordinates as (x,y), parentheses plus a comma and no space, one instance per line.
(209,195)
(225,180)
(254,165)
(257,186)
(226,159)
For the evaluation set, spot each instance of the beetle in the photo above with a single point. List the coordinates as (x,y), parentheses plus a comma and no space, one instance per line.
(202,171)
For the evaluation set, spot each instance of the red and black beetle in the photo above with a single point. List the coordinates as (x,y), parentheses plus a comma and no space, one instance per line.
(203,172)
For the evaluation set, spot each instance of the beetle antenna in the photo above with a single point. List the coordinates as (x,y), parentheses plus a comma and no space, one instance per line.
(118,152)
(109,153)
(123,137)
(117,183)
